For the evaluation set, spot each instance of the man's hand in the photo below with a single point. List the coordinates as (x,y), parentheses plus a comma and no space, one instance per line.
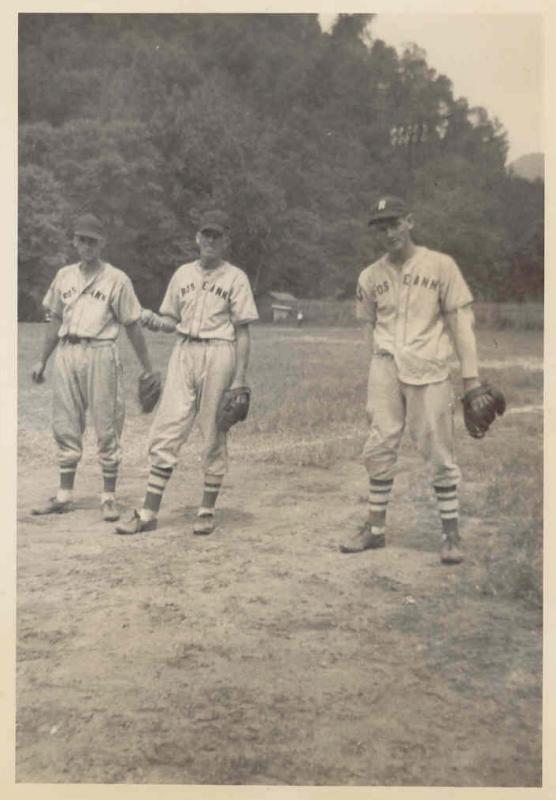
(37,372)
(150,320)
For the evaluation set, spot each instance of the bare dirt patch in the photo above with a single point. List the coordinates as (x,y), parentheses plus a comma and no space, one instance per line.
(260,654)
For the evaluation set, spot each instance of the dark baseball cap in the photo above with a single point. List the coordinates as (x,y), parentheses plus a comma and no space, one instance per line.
(215,221)
(388,207)
(89,225)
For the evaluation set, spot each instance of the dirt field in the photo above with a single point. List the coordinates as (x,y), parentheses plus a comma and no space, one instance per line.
(260,654)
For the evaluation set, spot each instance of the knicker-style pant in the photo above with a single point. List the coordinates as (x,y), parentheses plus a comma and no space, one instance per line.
(428,412)
(88,378)
(198,374)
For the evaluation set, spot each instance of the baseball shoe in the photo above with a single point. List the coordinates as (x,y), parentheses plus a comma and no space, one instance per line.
(110,511)
(54,506)
(450,552)
(366,538)
(204,525)
(136,525)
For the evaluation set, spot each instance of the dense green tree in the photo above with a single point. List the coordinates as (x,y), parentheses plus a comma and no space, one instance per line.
(149,119)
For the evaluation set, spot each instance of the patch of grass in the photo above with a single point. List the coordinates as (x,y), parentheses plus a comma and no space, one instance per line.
(510,316)
(309,392)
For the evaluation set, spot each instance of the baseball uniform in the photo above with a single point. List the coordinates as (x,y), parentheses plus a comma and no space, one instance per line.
(409,372)
(206,305)
(88,370)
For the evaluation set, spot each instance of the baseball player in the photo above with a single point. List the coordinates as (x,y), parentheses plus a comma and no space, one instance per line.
(86,304)
(209,305)
(417,304)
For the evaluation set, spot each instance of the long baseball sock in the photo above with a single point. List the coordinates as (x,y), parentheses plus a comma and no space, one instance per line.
(211,488)
(158,478)
(67,481)
(379,495)
(109,478)
(447,498)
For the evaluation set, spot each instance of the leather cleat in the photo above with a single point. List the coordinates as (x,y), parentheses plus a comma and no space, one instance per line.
(204,525)
(368,537)
(54,506)
(110,511)
(136,525)
(450,552)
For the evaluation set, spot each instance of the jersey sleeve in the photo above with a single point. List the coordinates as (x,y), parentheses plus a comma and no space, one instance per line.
(365,301)
(454,291)
(52,301)
(242,302)
(125,305)
(170,306)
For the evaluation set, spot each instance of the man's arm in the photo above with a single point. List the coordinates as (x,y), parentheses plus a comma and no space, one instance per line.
(243,348)
(135,335)
(460,324)
(49,343)
(158,322)
(369,336)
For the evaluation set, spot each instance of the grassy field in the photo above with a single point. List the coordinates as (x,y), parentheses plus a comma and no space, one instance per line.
(309,390)
(246,657)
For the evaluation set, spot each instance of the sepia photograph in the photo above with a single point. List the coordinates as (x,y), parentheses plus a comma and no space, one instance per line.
(280,398)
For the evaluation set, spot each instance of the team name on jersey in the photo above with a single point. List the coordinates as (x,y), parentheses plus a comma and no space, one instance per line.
(96,293)
(206,286)
(420,280)
(407,280)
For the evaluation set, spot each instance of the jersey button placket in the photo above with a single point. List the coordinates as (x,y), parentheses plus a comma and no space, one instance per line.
(406,279)
(399,289)
(199,313)
(195,324)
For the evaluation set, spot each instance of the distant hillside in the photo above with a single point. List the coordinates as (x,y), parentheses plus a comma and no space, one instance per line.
(530,166)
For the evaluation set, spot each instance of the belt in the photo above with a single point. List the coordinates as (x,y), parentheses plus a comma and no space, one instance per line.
(187,338)
(70,338)
(383,354)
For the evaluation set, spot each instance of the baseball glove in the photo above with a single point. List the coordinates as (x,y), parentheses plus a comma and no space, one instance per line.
(480,407)
(149,388)
(233,407)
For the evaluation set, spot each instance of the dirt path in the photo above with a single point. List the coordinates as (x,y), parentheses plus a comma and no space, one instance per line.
(261,655)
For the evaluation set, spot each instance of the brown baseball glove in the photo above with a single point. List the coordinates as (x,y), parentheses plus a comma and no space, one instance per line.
(233,407)
(480,407)
(149,388)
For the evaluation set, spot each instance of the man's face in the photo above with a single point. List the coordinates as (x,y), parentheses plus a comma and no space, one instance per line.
(88,247)
(212,243)
(394,234)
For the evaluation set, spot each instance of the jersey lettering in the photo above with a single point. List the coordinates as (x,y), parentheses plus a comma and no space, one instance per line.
(186,289)
(214,289)
(382,287)
(420,280)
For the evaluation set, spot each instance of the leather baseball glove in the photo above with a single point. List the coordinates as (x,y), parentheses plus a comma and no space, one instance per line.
(233,407)
(480,407)
(149,388)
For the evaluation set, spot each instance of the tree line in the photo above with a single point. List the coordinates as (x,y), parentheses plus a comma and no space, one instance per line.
(150,119)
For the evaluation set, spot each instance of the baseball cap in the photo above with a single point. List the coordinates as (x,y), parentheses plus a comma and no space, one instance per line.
(215,221)
(89,225)
(388,207)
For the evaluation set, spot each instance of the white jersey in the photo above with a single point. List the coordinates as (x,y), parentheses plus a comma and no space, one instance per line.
(208,303)
(92,306)
(406,306)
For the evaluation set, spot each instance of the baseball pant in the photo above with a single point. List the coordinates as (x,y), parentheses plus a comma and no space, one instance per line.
(428,412)
(88,377)
(198,374)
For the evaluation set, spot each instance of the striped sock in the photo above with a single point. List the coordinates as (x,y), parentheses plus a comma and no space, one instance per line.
(379,495)
(213,484)
(109,477)
(447,498)
(158,478)
(67,477)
